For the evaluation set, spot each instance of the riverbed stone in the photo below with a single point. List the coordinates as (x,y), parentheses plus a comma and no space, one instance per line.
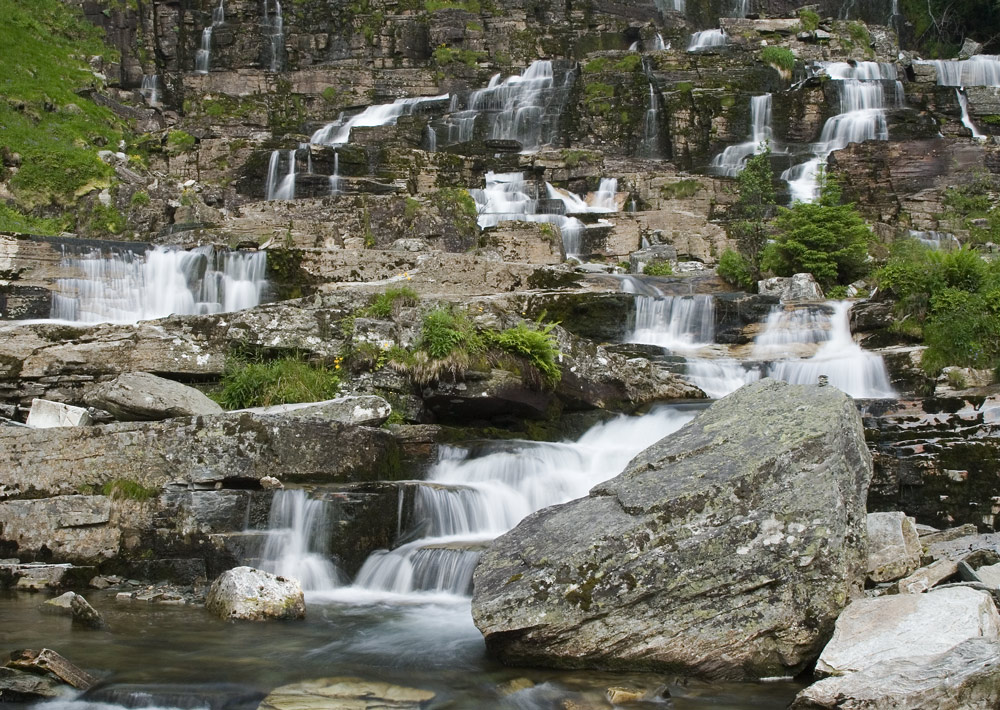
(139,396)
(725,550)
(893,546)
(345,693)
(254,595)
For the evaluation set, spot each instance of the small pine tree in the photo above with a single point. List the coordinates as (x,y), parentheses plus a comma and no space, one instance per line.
(826,238)
(753,207)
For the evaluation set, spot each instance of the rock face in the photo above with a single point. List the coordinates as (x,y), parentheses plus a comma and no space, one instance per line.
(800,287)
(253,595)
(365,410)
(137,396)
(727,549)
(893,546)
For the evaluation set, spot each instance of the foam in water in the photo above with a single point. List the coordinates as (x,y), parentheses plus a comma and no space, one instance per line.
(339,132)
(707,39)
(150,89)
(980,70)
(732,160)
(469,501)
(673,322)
(126,288)
(202,57)
(274,24)
(297,541)
(862,93)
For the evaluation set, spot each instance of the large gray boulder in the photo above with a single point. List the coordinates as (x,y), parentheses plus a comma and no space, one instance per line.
(800,287)
(727,549)
(893,546)
(254,595)
(140,396)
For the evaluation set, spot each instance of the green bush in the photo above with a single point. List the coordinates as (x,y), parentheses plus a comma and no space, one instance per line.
(826,238)
(446,330)
(734,269)
(284,381)
(658,268)
(753,208)
(388,303)
(535,344)
(808,20)
(779,57)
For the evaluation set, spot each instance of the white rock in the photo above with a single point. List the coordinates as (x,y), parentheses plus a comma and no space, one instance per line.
(893,546)
(800,287)
(46,414)
(907,626)
(255,595)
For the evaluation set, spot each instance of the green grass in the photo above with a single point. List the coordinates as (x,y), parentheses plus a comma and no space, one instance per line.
(284,381)
(388,303)
(13,221)
(57,132)
(658,268)
(808,20)
(535,345)
(124,489)
(778,57)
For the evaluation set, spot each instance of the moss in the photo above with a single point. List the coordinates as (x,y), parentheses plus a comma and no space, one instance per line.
(808,20)
(472,6)
(680,190)
(685,87)
(445,55)
(599,97)
(180,142)
(633,62)
(596,66)
(778,57)
(12,220)
(124,489)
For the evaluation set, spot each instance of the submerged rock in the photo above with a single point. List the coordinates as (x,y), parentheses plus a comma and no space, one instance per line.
(727,549)
(255,595)
(345,694)
(138,396)
(74,605)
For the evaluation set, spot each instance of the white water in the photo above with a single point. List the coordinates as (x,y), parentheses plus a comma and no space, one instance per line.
(732,160)
(863,101)
(281,173)
(707,39)
(466,501)
(202,57)
(297,541)
(672,322)
(509,197)
(671,5)
(658,44)
(335,188)
(936,240)
(980,70)
(963,102)
(126,288)
(339,132)
(741,8)
(650,145)
(150,89)
(274,24)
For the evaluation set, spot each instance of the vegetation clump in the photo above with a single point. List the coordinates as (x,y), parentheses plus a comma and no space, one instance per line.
(388,303)
(661,267)
(808,20)
(779,57)
(283,381)
(735,270)
(124,489)
(753,208)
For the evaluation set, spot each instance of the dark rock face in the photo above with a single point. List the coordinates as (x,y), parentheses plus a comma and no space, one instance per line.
(725,550)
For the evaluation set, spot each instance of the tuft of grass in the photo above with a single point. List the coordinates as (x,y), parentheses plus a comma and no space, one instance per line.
(808,20)
(534,344)
(124,489)
(284,381)
(388,303)
(658,268)
(447,330)
(778,57)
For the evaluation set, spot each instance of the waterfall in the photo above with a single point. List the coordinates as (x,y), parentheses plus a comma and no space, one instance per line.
(125,287)
(430,139)
(936,240)
(671,5)
(467,501)
(731,161)
(506,198)
(203,56)
(296,546)
(650,145)
(963,102)
(281,174)
(674,322)
(339,132)
(741,8)
(275,27)
(658,44)
(335,178)
(150,89)
(861,88)
(980,70)
(707,39)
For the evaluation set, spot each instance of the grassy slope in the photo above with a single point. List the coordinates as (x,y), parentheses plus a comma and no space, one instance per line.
(57,133)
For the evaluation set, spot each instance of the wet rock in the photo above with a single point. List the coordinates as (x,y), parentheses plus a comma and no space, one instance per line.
(46,414)
(17,686)
(86,615)
(727,549)
(255,595)
(346,694)
(893,546)
(139,396)
(906,626)
(48,661)
(800,287)
(966,677)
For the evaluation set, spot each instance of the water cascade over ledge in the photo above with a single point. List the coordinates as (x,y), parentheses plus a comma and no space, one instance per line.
(202,57)
(125,287)
(731,161)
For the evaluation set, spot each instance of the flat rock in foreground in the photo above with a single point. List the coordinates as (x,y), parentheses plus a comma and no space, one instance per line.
(254,595)
(726,550)
(345,694)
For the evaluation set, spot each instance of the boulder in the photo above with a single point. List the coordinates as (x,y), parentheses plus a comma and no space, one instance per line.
(362,410)
(800,287)
(345,694)
(255,595)
(725,550)
(45,414)
(906,626)
(74,605)
(893,546)
(17,686)
(139,396)
(637,261)
(964,678)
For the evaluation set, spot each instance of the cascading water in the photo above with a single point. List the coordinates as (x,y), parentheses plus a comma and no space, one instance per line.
(963,102)
(672,322)
(658,44)
(936,240)
(650,145)
(335,178)
(980,70)
(509,197)
(671,5)
(150,89)
(862,92)
(297,541)
(202,57)
(741,8)
(281,173)
(127,288)
(707,39)
(339,132)
(274,24)
(467,501)
(430,139)
(732,160)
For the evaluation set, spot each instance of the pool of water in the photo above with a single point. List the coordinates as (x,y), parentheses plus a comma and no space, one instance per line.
(179,655)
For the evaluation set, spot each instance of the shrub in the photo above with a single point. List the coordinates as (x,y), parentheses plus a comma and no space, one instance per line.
(535,344)
(388,303)
(446,330)
(284,381)
(754,206)
(779,57)
(735,270)
(658,268)
(808,20)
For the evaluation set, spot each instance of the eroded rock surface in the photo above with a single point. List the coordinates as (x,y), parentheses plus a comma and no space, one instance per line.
(139,396)
(254,595)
